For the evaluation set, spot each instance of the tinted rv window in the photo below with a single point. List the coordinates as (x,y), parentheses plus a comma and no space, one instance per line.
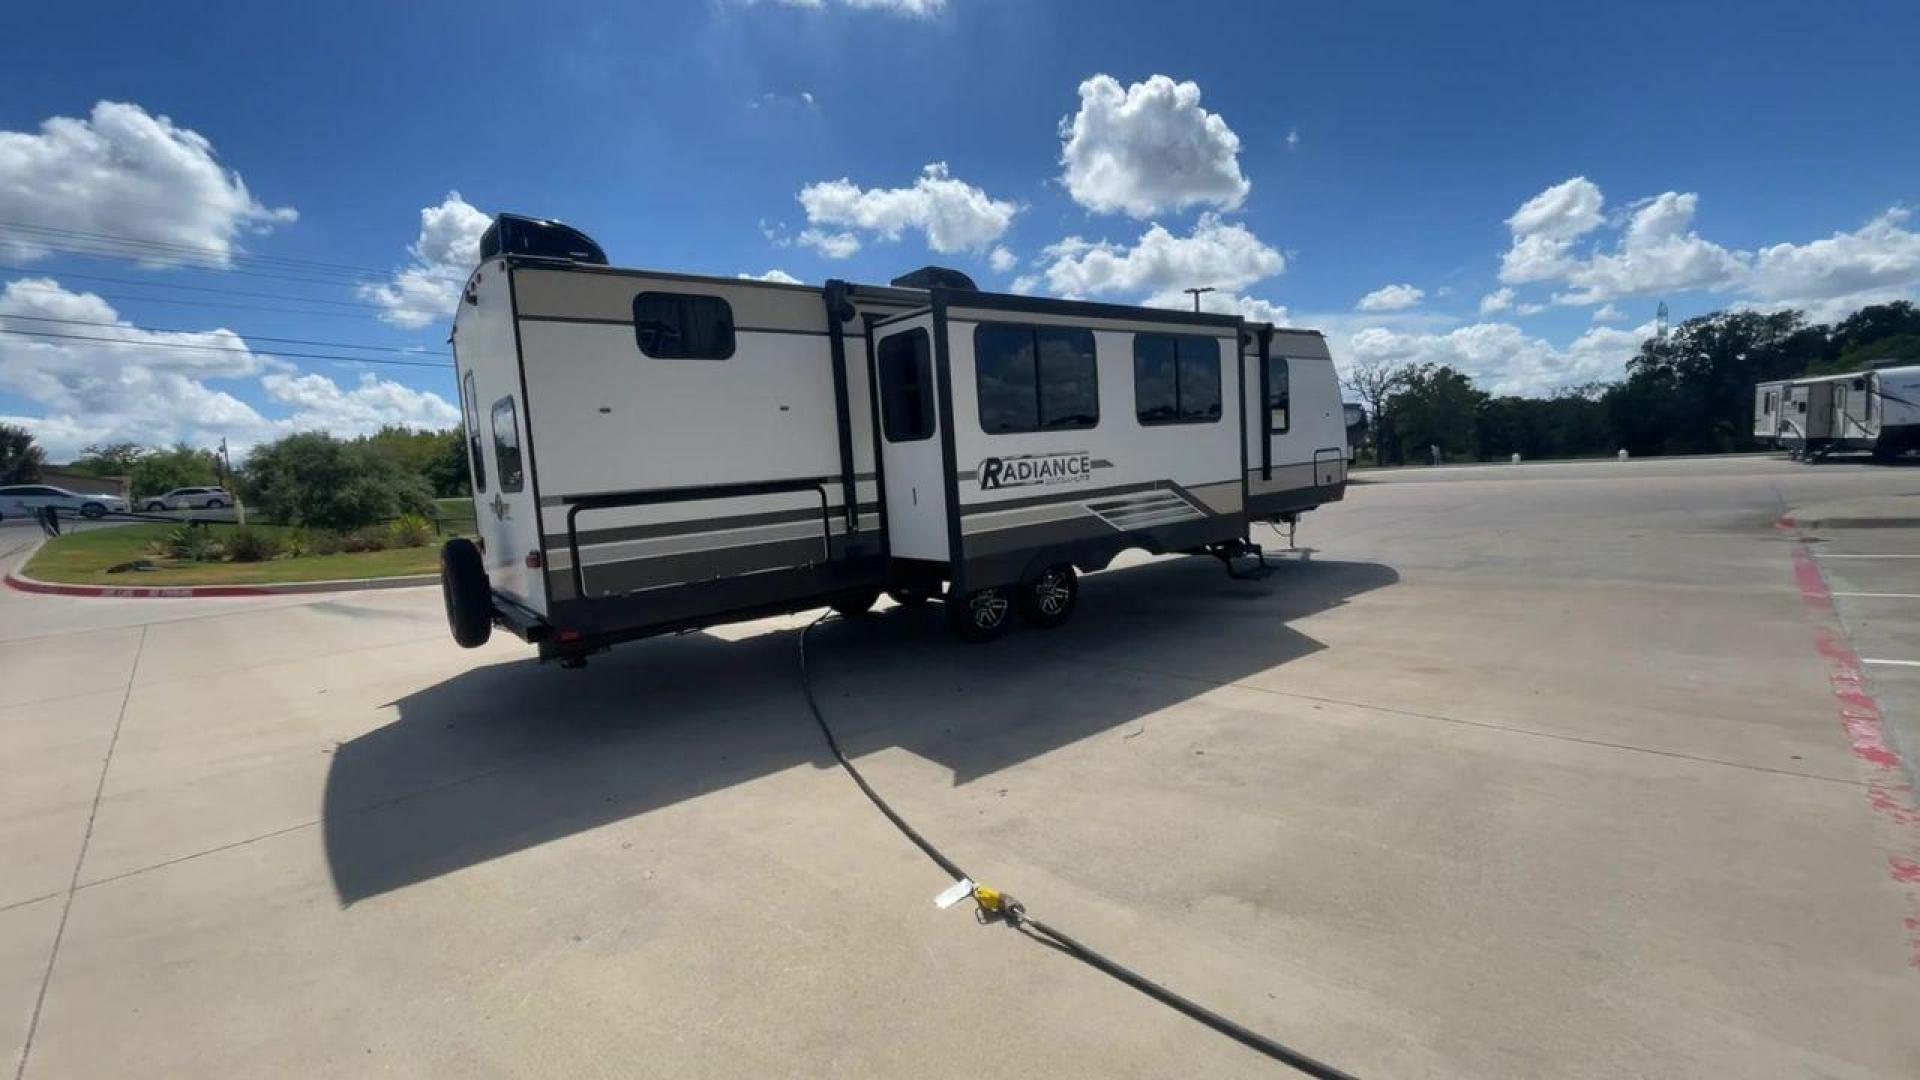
(470,405)
(1279,399)
(683,326)
(1176,380)
(906,387)
(1035,378)
(506,446)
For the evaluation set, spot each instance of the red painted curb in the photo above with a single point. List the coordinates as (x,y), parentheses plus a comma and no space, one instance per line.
(190,592)
(1888,792)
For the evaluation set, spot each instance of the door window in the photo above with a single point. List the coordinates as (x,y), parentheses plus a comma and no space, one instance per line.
(470,404)
(906,387)
(1279,396)
(506,446)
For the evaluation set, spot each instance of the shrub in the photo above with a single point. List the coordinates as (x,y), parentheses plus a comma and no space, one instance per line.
(324,542)
(248,544)
(315,479)
(409,531)
(364,540)
(190,542)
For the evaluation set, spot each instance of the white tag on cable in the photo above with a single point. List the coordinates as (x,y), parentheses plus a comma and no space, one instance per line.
(953,894)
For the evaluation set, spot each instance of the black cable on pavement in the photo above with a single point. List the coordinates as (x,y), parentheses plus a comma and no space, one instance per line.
(1016,915)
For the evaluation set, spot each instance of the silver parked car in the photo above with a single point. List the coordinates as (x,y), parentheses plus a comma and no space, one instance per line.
(190,498)
(24,500)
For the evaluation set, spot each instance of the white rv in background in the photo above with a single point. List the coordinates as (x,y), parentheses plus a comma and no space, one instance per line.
(654,452)
(1875,411)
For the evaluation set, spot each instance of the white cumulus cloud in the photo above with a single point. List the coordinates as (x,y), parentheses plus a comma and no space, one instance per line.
(1002,260)
(1504,359)
(1148,148)
(160,387)
(1250,308)
(1217,253)
(125,173)
(1391,298)
(1498,300)
(1877,262)
(773,275)
(838,245)
(954,215)
(446,251)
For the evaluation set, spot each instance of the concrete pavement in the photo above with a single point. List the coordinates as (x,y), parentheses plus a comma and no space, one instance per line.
(1526,772)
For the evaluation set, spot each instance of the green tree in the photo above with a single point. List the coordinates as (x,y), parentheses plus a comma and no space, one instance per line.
(160,471)
(1436,405)
(1692,392)
(20,456)
(109,459)
(1374,382)
(315,479)
(435,456)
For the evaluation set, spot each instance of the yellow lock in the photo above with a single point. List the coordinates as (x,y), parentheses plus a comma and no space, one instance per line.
(987,896)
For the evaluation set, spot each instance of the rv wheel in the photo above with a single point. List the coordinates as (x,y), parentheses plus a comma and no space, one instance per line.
(980,616)
(1049,599)
(856,604)
(469,598)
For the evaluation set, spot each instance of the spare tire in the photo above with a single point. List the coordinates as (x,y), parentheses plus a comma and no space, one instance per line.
(469,598)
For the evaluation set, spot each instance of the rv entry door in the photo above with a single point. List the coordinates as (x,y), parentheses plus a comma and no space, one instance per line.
(911,457)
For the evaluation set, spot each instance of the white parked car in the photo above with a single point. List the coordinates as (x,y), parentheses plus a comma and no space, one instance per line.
(190,498)
(23,500)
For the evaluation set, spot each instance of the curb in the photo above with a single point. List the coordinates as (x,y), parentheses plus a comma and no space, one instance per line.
(187,592)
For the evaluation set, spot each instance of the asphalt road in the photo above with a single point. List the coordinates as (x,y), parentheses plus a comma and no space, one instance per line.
(1534,771)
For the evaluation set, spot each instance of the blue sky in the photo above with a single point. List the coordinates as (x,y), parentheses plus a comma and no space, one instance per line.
(1302,157)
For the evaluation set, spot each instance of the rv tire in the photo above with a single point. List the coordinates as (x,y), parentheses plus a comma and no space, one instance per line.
(1049,599)
(857,603)
(980,616)
(468,596)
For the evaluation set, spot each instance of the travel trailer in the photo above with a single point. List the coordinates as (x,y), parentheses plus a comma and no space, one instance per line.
(654,452)
(1769,400)
(1875,411)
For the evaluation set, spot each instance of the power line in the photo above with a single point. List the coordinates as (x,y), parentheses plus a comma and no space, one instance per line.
(202,289)
(249,337)
(210,252)
(171,261)
(219,348)
(121,298)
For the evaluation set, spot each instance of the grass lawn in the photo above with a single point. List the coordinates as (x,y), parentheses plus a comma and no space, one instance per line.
(82,558)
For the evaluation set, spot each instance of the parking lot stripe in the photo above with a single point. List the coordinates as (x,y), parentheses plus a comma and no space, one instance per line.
(1882,595)
(1849,555)
(1890,663)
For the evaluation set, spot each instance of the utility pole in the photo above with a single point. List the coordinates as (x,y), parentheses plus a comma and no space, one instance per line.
(1195,293)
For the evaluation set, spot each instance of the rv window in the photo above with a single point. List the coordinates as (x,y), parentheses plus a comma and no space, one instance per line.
(1279,397)
(506,446)
(906,387)
(470,406)
(1176,380)
(683,326)
(1035,378)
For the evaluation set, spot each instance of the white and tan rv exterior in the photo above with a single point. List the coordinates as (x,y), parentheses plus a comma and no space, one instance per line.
(1874,411)
(653,452)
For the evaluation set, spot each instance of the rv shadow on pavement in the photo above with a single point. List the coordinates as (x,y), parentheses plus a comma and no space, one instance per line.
(506,757)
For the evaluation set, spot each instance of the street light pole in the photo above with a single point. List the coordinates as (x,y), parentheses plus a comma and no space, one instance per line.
(1195,293)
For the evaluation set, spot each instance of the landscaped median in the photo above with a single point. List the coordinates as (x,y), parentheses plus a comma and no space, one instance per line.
(150,559)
